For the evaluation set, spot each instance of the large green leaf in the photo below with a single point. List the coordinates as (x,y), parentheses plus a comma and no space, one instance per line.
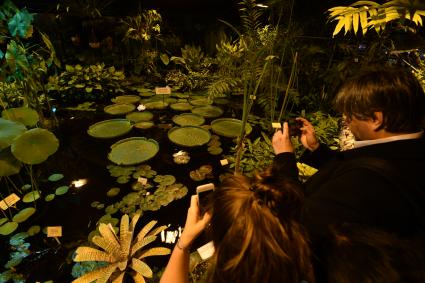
(9,165)
(8,228)
(24,214)
(35,146)
(110,128)
(189,136)
(8,131)
(20,24)
(27,116)
(133,151)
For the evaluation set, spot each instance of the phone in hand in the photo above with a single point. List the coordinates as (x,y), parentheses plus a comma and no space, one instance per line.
(295,127)
(204,192)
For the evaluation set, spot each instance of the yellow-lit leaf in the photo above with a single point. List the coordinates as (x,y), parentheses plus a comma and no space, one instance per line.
(355,22)
(339,26)
(348,20)
(363,20)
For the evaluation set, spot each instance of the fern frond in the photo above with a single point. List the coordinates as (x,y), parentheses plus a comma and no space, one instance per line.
(97,274)
(91,254)
(141,268)
(145,230)
(140,244)
(155,252)
(110,247)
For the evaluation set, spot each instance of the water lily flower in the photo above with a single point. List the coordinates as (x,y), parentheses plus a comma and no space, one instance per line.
(141,107)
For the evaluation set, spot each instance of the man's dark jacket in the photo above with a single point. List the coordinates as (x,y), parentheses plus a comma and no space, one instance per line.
(347,189)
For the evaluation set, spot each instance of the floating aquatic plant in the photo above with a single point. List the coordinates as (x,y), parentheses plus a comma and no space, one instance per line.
(144,125)
(110,128)
(133,151)
(113,192)
(139,116)
(9,165)
(229,127)
(188,119)
(55,177)
(27,116)
(119,109)
(126,99)
(23,215)
(61,190)
(181,157)
(8,131)
(8,228)
(144,170)
(181,106)
(165,180)
(189,136)
(31,196)
(205,171)
(208,111)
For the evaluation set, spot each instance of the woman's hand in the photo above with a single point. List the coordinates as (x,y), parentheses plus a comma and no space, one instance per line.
(195,223)
(308,136)
(281,140)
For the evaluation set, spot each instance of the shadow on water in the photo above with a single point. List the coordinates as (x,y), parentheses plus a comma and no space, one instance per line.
(83,157)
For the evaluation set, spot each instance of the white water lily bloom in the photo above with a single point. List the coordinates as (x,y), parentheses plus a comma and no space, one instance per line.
(141,107)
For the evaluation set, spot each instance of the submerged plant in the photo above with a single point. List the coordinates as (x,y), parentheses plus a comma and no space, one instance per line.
(122,254)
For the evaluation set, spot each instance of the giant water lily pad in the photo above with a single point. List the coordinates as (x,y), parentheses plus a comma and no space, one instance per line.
(24,214)
(34,146)
(9,165)
(133,151)
(126,99)
(197,101)
(188,119)
(156,105)
(27,116)
(208,111)
(139,116)
(110,128)
(119,109)
(8,131)
(8,228)
(144,125)
(31,196)
(229,127)
(189,136)
(181,106)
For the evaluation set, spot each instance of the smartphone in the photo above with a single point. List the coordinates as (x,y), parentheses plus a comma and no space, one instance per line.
(204,193)
(295,127)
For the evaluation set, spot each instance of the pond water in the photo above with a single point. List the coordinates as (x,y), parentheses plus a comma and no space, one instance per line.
(83,157)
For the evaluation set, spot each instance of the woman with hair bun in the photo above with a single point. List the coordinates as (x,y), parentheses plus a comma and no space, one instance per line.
(255,231)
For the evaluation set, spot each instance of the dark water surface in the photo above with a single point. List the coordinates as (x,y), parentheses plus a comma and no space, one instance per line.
(83,157)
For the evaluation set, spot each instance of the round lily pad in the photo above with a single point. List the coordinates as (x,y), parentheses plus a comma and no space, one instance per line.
(133,151)
(49,197)
(27,116)
(3,220)
(8,228)
(208,111)
(31,196)
(119,109)
(188,119)
(26,187)
(139,116)
(215,150)
(9,165)
(34,230)
(110,128)
(189,136)
(229,127)
(126,99)
(156,105)
(200,101)
(61,190)
(34,146)
(181,106)
(221,101)
(23,215)
(113,192)
(144,125)
(55,177)
(8,131)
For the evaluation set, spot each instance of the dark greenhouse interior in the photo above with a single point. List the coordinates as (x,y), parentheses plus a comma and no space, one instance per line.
(212,141)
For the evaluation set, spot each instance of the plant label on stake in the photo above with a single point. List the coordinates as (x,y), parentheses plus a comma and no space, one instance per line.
(163,90)
(142,181)
(54,232)
(9,201)
(224,162)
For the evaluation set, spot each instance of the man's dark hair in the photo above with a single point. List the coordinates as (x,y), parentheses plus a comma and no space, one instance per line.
(394,92)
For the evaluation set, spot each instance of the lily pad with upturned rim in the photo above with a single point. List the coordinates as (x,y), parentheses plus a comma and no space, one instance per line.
(144,125)
(133,150)
(24,214)
(119,109)
(181,106)
(229,127)
(8,131)
(188,119)
(34,146)
(126,99)
(110,128)
(27,116)
(139,116)
(156,105)
(189,136)
(208,111)
(196,101)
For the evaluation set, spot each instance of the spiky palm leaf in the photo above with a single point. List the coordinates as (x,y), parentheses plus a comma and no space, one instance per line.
(120,252)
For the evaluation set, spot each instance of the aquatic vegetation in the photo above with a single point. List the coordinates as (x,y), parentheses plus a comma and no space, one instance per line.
(119,109)
(181,157)
(61,190)
(55,177)
(229,127)
(189,136)
(181,106)
(208,111)
(110,128)
(23,215)
(188,119)
(9,130)
(27,116)
(113,192)
(165,180)
(204,172)
(144,170)
(144,125)
(133,151)
(31,196)
(123,254)
(126,99)
(8,228)
(139,116)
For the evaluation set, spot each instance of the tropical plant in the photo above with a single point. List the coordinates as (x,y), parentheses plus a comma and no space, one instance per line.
(144,26)
(363,15)
(122,254)
(91,83)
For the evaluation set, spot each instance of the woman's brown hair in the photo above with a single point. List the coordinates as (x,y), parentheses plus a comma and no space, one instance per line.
(256,233)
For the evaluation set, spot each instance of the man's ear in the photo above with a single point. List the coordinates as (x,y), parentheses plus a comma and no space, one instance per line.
(378,120)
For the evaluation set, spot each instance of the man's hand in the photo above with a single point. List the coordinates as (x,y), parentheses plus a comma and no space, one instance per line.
(308,136)
(281,140)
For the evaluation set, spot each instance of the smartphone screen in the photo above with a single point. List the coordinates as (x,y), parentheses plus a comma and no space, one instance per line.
(204,192)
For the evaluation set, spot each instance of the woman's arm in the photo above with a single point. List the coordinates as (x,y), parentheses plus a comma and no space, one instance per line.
(177,270)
